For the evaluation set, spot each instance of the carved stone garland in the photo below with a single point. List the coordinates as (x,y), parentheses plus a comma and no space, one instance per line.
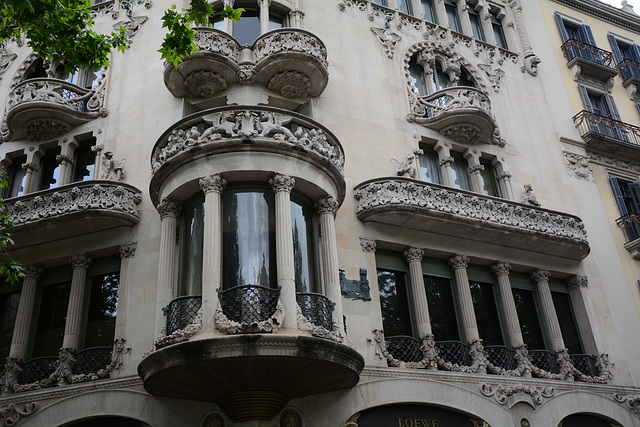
(318,331)
(231,327)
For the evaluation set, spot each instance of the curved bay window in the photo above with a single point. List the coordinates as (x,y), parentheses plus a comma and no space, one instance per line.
(250,27)
(303,245)
(191,242)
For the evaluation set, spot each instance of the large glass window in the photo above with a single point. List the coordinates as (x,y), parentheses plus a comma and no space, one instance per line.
(484,305)
(528,318)
(101,317)
(51,314)
(476,24)
(249,238)
(17,175)
(418,80)
(441,308)
(459,169)
(490,185)
(303,245)
(8,311)
(191,244)
(452,15)
(49,176)
(429,166)
(568,326)
(428,11)
(247,29)
(394,303)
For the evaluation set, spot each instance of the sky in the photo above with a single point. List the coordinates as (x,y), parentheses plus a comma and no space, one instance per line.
(617,3)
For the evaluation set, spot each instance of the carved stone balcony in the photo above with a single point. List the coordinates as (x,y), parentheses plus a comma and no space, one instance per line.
(289,61)
(460,113)
(242,138)
(40,109)
(72,210)
(423,206)
(608,135)
(586,60)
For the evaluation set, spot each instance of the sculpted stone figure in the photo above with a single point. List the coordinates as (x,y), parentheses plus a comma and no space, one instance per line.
(530,197)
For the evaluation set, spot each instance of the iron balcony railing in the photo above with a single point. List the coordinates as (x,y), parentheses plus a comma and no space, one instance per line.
(249,304)
(630,224)
(91,360)
(591,124)
(404,348)
(37,369)
(455,352)
(573,48)
(502,356)
(316,308)
(181,312)
(628,69)
(586,363)
(546,360)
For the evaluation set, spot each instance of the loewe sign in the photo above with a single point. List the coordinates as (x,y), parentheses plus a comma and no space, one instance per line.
(412,416)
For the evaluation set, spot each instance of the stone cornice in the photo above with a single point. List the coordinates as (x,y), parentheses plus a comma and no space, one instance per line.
(605,12)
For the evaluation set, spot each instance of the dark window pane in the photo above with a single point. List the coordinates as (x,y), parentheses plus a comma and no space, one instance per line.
(418,80)
(476,25)
(247,29)
(498,31)
(452,16)
(441,308)
(528,317)
(489,181)
(52,315)
(85,160)
(405,6)
(249,238)
(394,303)
(564,311)
(484,305)
(16,182)
(428,11)
(103,303)
(303,246)
(49,172)
(191,243)
(8,311)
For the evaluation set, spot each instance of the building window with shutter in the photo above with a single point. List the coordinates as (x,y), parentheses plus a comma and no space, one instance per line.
(603,115)
(627,196)
(627,57)
(577,41)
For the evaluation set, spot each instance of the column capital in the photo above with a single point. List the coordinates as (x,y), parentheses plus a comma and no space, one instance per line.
(213,184)
(281,182)
(476,169)
(264,3)
(128,250)
(326,205)
(447,161)
(459,261)
(504,175)
(63,158)
(501,269)
(168,208)
(30,167)
(413,254)
(32,271)
(368,245)
(97,148)
(577,281)
(540,275)
(80,262)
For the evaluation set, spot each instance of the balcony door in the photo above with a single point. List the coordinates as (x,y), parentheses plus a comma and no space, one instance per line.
(607,121)
(627,196)
(581,33)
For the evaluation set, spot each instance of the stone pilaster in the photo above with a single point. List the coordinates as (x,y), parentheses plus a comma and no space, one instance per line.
(80,265)
(326,209)
(501,270)
(127,252)
(477,184)
(445,168)
(169,212)
(504,180)
(459,265)
(549,316)
(282,186)
(212,186)
(22,326)
(419,300)
(98,162)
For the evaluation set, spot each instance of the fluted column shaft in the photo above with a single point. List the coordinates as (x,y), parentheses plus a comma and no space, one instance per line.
(169,212)
(459,264)
(25,312)
(212,186)
(420,303)
(327,208)
(66,163)
(80,265)
(264,15)
(549,316)
(282,186)
(501,271)
(127,251)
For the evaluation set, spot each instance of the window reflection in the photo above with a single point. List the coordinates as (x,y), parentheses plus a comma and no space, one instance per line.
(441,308)
(302,223)
(249,238)
(51,315)
(191,243)
(484,305)
(528,318)
(394,303)
(103,303)
(247,29)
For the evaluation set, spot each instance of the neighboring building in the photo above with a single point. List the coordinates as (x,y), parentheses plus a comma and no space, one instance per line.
(337,213)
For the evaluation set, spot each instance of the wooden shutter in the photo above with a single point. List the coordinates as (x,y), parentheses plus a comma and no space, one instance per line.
(615,186)
(635,195)
(563,31)
(615,48)
(584,31)
(585,98)
(611,105)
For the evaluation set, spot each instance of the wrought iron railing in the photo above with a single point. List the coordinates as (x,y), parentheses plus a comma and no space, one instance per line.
(573,48)
(586,363)
(630,224)
(590,123)
(404,348)
(37,369)
(249,304)
(181,312)
(316,308)
(91,360)
(546,360)
(628,69)
(501,356)
(455,352)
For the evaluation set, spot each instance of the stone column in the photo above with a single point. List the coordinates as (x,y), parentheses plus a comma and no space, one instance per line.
(98,162)
(477,184)
(29,177)
(212,186)
(295,18)
(282,186)
(264,15)
(127,251)
(228,23)
(420,305)
(549,316)
(22,326)
(584,311)
(441,13)
(504,180)
(501,271)
(80,265)
(445,161)
(531,61)
(169,212)
(459,264)
(66,168)
(326,209)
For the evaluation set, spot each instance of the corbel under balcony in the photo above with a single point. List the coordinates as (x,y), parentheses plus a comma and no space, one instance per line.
(72,210)
(289,61)
(446,211)
(460,113)
(44,108)
(608,135)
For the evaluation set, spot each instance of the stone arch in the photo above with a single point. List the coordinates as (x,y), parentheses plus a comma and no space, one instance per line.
(553,411)
(25,66)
